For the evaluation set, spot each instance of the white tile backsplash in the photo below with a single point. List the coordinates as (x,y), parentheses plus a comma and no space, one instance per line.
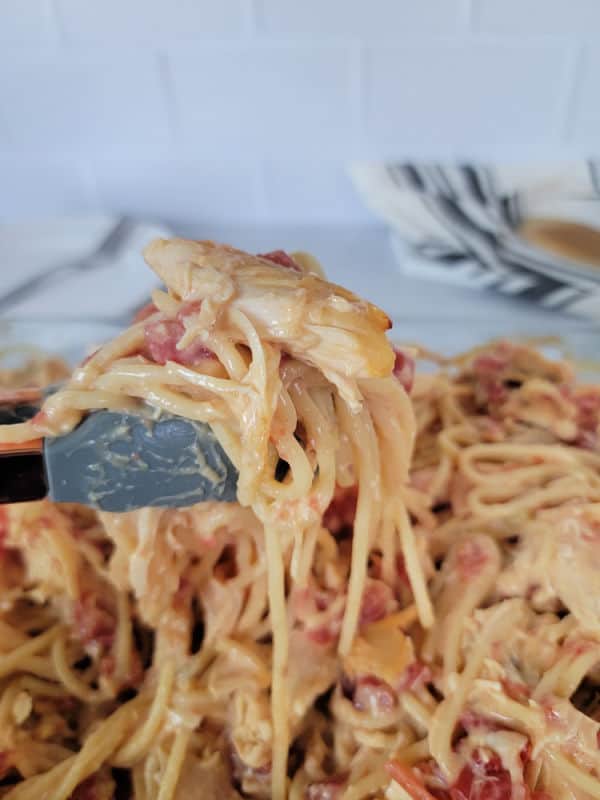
(379,18)
(312,192)
(262,103)
(42,186)
(538,17)
(27,21)
(449,99)
(279,99)
(82,103)
(150,21)
(583,127)
(175,189)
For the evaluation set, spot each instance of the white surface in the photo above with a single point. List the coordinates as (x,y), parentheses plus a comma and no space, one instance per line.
(111,288)
(138,103)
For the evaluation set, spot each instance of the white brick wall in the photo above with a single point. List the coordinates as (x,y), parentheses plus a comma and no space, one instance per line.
(377,18)
(265,99)
(248,110)
(462,99)
(149,22)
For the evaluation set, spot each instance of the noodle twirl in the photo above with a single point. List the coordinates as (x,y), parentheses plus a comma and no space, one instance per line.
(402,603)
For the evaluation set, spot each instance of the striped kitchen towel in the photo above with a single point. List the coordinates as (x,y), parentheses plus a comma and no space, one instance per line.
(532,232)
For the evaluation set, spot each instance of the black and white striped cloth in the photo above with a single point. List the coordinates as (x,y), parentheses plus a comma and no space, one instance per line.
(461,222)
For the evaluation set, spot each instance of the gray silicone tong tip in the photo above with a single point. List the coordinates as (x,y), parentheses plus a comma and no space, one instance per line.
(119,462)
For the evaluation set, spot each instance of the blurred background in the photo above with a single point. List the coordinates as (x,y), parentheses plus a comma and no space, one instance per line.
(240,119)
(249,110)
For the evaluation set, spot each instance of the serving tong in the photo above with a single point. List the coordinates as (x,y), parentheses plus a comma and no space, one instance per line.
(116,461)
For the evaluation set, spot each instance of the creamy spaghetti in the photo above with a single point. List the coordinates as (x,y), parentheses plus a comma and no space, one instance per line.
(401,603)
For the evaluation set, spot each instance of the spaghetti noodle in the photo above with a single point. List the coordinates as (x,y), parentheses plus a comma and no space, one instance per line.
(401,603)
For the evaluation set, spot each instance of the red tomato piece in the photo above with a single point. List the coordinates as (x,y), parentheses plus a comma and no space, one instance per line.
(144,312)
(162,336)
(329,789)
(373,696)
(282,258)
(404,369)
(482,779)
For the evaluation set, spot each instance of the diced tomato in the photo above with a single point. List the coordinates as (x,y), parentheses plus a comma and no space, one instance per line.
(99,786)
(421,478)
(3,529)
(161,337)
(86,790)
(495,360)
(373,696)
(6,757)
(240,770)
(577,647)
(587,440)
(471,721)
(377,601)
(404,369)
(145,311)
(401,570)
(470,558)
(491,364)
(282,258)
(491,429)
(94,624)
(482,779)
(494,391)
(525,754)
(516,690)
(587,405)
(107,665)
(489,369)
(432,776)
(40,418)
(414,676)
(329,789)
(308,602)
(136,671)
(183,595)
(324,634)
(408,780)
(328,632)
(188,309)
(342,509)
